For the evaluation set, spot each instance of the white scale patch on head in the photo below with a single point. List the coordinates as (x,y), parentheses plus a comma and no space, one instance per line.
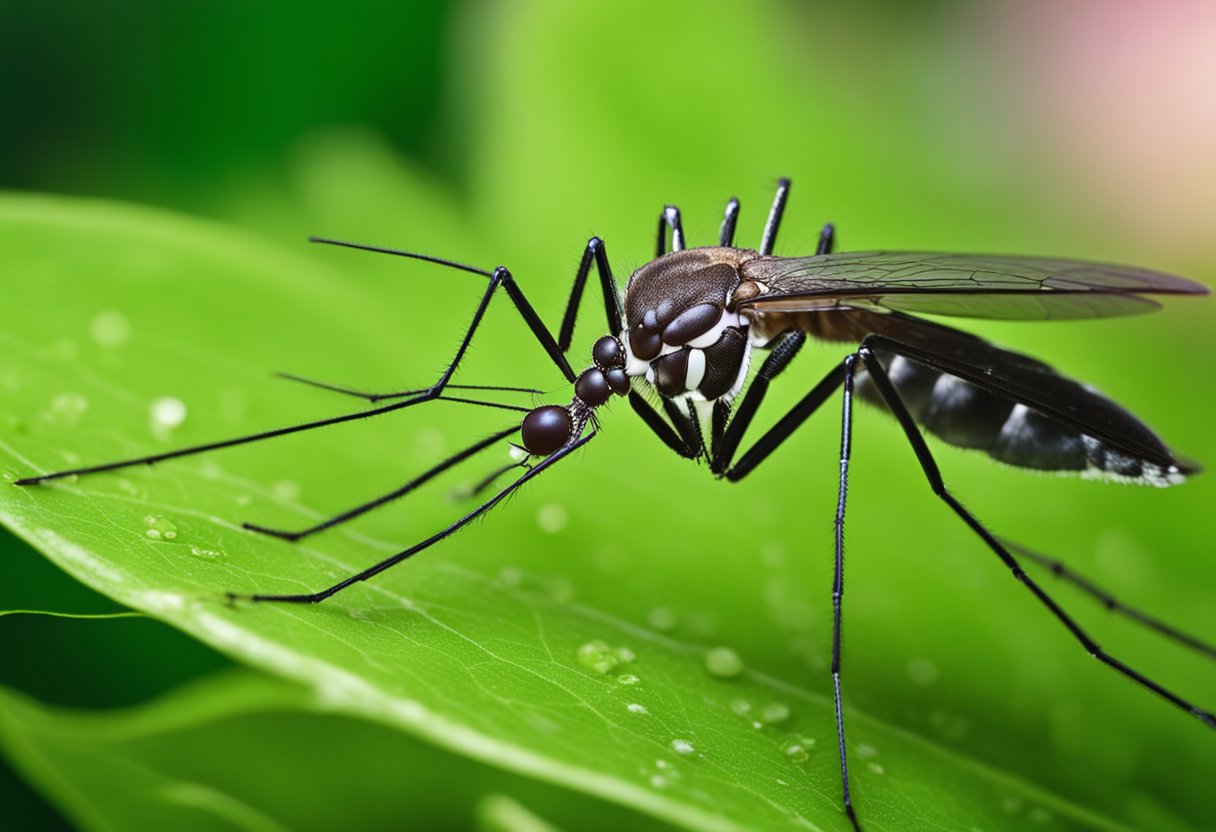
(697,365)
(634,366)
(715,332)
(696,369)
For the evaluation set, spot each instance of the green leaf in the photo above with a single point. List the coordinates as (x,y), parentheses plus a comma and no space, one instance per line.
(243,751)
(481,646)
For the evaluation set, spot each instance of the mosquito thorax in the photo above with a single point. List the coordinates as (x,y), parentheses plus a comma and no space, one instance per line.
(682,331)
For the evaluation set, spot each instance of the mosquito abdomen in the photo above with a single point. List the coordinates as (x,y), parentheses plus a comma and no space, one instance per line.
(963,415)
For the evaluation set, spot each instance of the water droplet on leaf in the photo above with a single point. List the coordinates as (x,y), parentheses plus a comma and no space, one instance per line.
(552,518)
(158,528)
(723,662)
(774,712)
(683,747)
(110,329)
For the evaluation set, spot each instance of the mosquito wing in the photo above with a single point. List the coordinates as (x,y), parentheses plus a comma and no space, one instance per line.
(965,285)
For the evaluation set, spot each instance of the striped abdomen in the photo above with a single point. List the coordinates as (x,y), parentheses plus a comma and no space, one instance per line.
(962,414)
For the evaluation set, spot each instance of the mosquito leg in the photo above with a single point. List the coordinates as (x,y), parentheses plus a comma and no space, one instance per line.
(670,218)
(488,480)
(827,239)
(401,394)
(840,376)
(612,302)
(726,442)
(253,437)
(501,276)
(790,422)
(773,223)
(726,237)
(1109,601)
(363,508)
(315,597)
(659,427)
(879,377)
(846,445)
(686,425)
(728,432)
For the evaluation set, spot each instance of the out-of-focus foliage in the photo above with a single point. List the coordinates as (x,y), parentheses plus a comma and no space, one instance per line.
(496,134)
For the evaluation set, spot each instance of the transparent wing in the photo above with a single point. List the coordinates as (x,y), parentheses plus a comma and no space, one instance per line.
(966,285)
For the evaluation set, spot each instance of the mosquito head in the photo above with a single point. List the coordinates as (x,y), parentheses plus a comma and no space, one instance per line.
(683,332)
(547,429)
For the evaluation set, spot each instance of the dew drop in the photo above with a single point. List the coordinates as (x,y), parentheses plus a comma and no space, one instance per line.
(552,518)
(662,618)
(658,781)
(723,662)
(208,554)
(8,477)
(110,329)
(741,706)
(795,752)
(510,576)
(158,528)
(663,764)
(683,747)
(561,591)
(636,708)
(774,712)
(67,409)
(166,414)
(599,657)
(1011,805)
(628,679)
(798,749)
(865,750)
(285,491)
(877,768)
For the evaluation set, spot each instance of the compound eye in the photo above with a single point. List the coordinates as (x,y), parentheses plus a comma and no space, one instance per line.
(546,429)
(607,353)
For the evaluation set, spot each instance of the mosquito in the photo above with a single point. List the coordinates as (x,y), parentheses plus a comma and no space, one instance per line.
(686,326)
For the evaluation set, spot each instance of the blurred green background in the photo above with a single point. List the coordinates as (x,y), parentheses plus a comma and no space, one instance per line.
(511,132)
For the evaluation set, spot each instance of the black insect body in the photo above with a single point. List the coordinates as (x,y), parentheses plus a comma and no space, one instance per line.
(689,322)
